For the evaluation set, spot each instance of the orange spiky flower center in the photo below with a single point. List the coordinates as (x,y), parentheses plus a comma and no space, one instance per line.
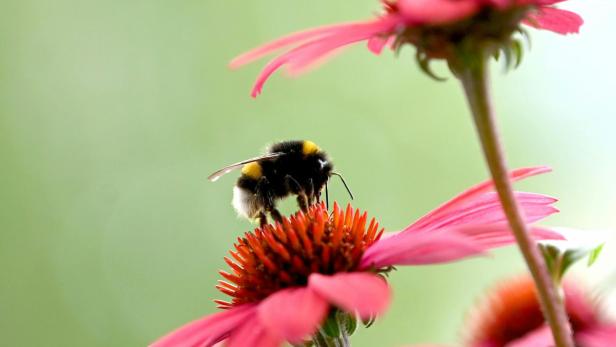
(284,255)
(512,311)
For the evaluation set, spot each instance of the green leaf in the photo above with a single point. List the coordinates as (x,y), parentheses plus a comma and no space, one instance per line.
(594,254)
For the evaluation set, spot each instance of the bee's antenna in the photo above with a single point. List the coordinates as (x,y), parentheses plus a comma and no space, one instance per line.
(343,182)
(326,196)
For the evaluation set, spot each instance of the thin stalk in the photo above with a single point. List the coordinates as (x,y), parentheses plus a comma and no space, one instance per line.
(474,79)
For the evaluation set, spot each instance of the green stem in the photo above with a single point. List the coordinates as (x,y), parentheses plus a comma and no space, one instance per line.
(474,78)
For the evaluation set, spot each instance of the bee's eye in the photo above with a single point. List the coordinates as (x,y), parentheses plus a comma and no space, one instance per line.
(323,163)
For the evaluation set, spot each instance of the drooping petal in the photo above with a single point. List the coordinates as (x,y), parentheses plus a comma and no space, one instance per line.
(599,337)
(289,40)
(253,334)
(556,20)
(436,11)
(419,249)
(293,314)
(313,50)
(541,337)
(470,194)
(208,330)
(364,293)
(377,43)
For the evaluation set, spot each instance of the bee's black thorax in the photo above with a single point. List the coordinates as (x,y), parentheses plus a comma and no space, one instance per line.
(303,168)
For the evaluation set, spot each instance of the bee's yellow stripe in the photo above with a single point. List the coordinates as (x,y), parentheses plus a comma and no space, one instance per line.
(252,170)
(310,147)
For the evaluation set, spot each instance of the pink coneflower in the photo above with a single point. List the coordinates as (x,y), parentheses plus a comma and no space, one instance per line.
(286,279)
(437,28)
(511,317)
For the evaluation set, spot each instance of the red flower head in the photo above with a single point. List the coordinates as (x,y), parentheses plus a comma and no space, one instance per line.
(511,317)
(286,278)
(437,28)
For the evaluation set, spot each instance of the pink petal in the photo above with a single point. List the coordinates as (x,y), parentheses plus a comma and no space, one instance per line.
(364,293)
(487,209)
(470,194)
(556,20)
(598,337)
(301,67)
(436,11)
(253,334)
(293,314)
(315,49)
(498,235)
(208,330)
(444,245)
(288,40)
(419,249)
(377,43)
(541,337)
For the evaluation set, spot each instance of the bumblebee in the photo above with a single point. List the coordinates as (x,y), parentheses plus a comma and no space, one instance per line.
(298,168)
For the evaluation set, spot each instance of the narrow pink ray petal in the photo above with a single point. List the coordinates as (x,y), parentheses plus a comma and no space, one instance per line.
(419,249)
(487,209)
(294,39)
(253,334)
(377,43)
(323,48)
(208,330)
(364,293)
(541,337)
(444,245)
(498,235)
(436,11)
(599,337)
(317,48)
(293,314)
(295,70)
(556,20)
(472,193)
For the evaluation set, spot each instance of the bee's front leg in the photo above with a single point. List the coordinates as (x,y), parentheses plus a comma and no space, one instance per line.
(262,218)
(296,188)
(312,194)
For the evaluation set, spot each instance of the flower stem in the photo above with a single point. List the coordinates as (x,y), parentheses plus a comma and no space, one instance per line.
(474,78)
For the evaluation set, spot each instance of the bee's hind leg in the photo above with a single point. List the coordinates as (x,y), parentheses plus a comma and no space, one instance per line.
(296,188)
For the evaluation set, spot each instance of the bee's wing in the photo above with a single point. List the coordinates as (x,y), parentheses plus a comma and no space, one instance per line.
(225,170)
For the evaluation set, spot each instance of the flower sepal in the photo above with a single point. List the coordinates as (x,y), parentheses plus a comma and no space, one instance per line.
(335,331)
(560,256)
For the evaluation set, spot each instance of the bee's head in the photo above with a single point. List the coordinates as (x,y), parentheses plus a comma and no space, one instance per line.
(320,164)
(324,169)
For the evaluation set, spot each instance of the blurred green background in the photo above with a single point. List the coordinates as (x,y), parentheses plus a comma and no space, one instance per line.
(113,113)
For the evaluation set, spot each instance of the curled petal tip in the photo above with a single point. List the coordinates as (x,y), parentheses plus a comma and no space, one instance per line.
(255,92)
